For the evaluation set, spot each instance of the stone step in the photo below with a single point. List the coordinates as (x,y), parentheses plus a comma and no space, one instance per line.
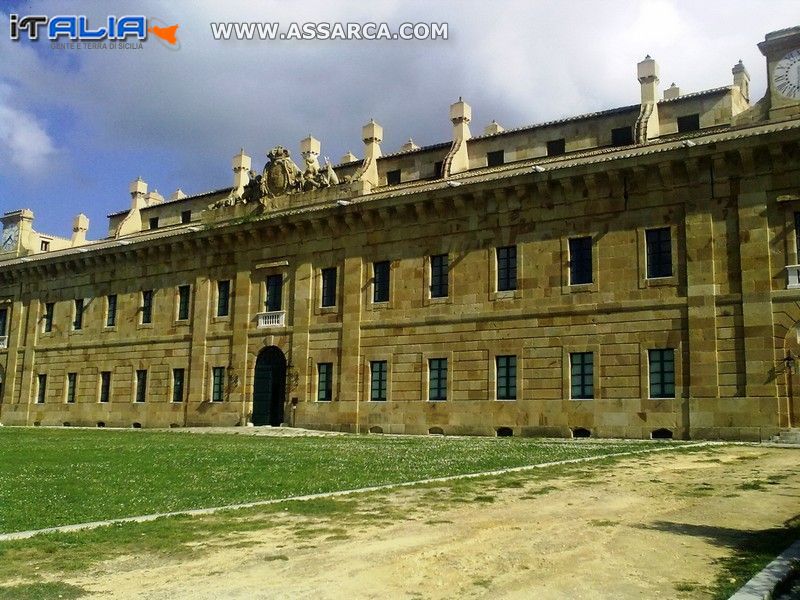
(788,436)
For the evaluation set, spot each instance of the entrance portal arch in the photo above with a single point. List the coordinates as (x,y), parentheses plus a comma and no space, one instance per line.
(269,387)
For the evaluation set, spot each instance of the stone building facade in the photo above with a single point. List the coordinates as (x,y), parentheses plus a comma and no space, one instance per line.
(628,273)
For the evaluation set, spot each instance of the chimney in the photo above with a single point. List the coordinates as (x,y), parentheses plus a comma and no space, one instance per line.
(409,146)
(153,198)
(457,161)
(80,225)
(138,189)
(348,158)
(310,148)
(672,92)
(372,134)
(741,79)
(177,195)
(493,127)
(241,175)
(647,126)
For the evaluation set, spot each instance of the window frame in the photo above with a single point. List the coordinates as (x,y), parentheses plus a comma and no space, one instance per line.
(504,268)
(186,217)
(438,388)
(140,386)
(223,300)
(78,308)
(153,222)
(71,387)
(146,308)
(381,288)
(270,288)
(581,262)
(583,374)
(111,310)
(104,395)
(509,361)
(184,302)
(441,288)
(41,388)
(328,292)
(324,388)
(217,384)
(4,320)
(178,385)
(48,317)
(382,380)
(650,267)
(662,372)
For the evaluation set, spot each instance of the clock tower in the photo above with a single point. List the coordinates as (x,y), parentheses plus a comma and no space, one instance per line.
(782,50)
(16,233)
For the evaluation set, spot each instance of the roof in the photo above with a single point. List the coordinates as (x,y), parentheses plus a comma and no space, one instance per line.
(192,197)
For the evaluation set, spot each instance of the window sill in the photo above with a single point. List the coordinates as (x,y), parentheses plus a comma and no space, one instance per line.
(507,295)
(577,288)
(109,328)
(670,280)
(219,319)
(505,399)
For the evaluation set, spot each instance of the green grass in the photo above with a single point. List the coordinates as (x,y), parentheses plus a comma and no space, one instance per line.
(52,477)
(41,591)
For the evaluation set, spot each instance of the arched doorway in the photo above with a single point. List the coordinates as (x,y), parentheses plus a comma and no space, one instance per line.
(269,387)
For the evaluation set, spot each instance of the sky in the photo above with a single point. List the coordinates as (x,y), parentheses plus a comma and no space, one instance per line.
(77,126)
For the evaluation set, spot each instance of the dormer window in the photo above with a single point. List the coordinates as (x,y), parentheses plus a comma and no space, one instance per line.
(622,136)
(153,222)
(556,147)
(45,246)
(495,159)
(689,123)
(393,177)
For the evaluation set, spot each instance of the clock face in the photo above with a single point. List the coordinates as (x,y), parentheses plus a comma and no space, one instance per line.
(10,237)
(786,75)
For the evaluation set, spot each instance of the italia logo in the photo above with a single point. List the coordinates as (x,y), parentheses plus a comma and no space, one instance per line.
(78,28)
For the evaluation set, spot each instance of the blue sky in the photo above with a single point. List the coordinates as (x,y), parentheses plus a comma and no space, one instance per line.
(76,126)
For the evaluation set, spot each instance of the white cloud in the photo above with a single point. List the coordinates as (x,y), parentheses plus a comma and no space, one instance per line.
(24,141)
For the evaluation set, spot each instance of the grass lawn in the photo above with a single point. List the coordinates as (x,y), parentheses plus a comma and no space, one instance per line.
(52,477)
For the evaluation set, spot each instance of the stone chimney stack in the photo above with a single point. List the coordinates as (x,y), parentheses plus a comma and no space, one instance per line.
(672,92)
(177,195)
(493,127)
(409,146)
(372,134)
(741,79)
(241,174)
(349,157)
(457,161)
(80,226)
(310,148)
(647,126)
(138,189)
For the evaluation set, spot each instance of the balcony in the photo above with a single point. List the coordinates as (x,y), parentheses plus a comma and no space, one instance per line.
(275,318)
(793,277)
(3,341)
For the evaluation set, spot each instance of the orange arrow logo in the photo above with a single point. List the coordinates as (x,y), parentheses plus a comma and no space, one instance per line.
(165,33)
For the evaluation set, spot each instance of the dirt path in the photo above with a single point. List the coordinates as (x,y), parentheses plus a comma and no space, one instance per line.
(644,528)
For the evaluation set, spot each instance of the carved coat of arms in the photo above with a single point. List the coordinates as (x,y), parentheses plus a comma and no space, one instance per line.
(281,175)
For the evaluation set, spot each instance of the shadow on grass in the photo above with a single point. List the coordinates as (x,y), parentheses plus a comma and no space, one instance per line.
(752,549)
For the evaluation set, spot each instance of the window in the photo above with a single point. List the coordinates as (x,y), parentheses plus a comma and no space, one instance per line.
(223,298)
(44,246)
(556,147)
(437,169)
(274,293)
(153,222)
(3,321)
(580,260)
(41,388)
(141,385)
(49,308)
(329,287)
(393,177)
(621,136)
(111,310)
(186,216)
(437,379)
(217,384)
(581,369)
(662,373)
(324,382)
(506,268)
(659,252)
(147,306)
(506,377)
(72,380)
(184,293)
(177,385)
(105,386)
(77,323)
(439,267)
(378,372)
(380,286)
(495,159)
(689,123)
